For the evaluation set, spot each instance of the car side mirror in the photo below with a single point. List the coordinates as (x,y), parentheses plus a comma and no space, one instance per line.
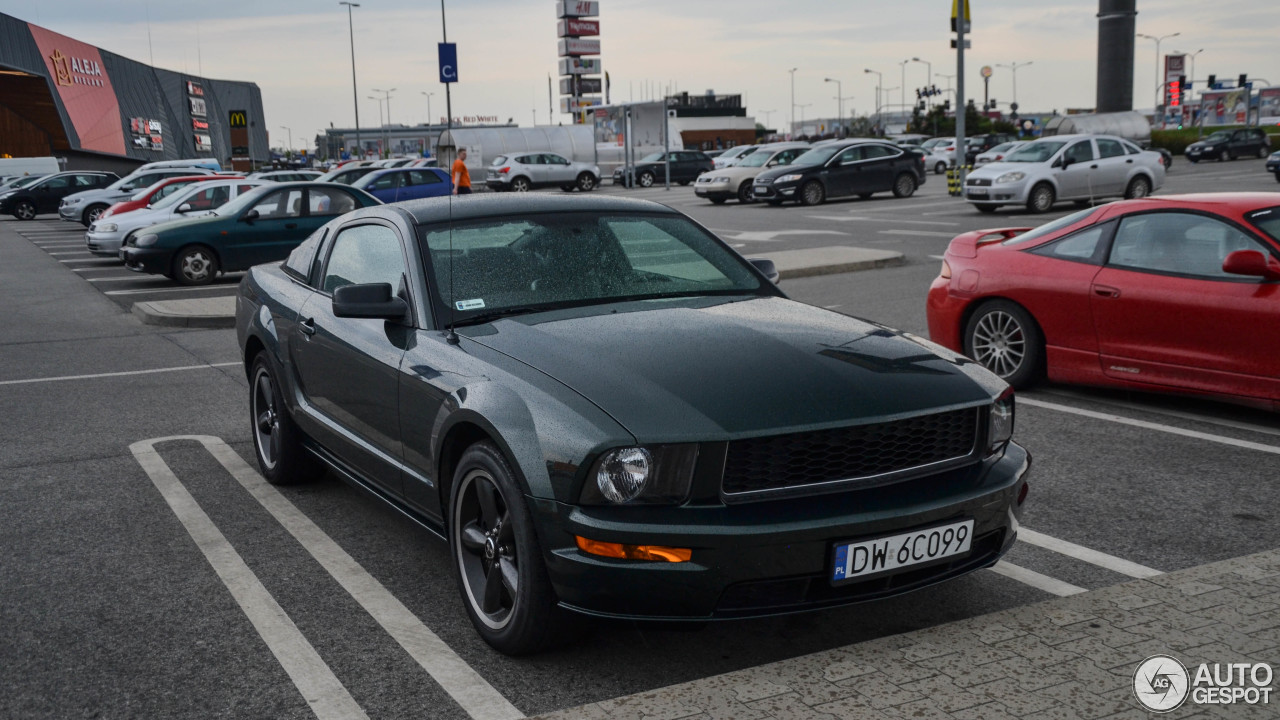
(1251,262)
(126,188)
(373,300)
(767,266)
(771,163)
(250,216)
(183,209)
(1061,162)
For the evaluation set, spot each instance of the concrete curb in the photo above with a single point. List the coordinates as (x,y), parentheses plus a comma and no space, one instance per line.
(219,312)
(830,260)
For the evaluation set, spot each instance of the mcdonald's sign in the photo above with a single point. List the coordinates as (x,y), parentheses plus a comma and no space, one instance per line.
(238,119)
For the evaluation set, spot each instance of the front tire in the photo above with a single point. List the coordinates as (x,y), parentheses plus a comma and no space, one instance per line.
(586,182)
(195,265)
(1002,337)
(277,442)
(25,210)
(645,179)
(745,193)
(496,556)
(1041,198)
(91,214)
(1139,187)
(813,193)
(904,186)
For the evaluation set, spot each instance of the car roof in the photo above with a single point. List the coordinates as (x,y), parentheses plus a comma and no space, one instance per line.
(487,205)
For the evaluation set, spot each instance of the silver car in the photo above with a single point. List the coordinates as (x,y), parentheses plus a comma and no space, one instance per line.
(85,207)
(997,153)
(524,171)
(1065,167)
(736,181)
(732,156)
(106,235)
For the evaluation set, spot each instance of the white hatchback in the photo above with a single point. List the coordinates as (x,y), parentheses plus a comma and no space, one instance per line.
(106,236)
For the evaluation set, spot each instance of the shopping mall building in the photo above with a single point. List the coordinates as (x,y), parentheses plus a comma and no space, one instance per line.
(96,109)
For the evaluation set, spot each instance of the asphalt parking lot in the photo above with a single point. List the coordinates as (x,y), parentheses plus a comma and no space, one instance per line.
(147,574)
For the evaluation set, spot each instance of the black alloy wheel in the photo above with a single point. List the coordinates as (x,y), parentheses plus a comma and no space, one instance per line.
(519,184)
(503,581)
(645,179)
(195,265)
(586,182)
(1041,198)
(904,186)
(745,193)
(277,441)
(1139,187)
(813,193)
(1003,338)
(92,213)
(24,210)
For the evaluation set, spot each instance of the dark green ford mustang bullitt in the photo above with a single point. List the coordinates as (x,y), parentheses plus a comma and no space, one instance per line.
(608,411)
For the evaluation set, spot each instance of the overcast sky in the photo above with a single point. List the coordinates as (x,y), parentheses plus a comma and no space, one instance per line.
(297,51)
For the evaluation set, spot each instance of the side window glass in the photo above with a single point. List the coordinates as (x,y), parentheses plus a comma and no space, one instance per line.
(57,183)
(1109,148)
(1080,152)
(364,254)
(282,204)
(299,261)
(390,181)
(329,201)
(1080,246)
(1179,243)
(423,177)
(209,199)
(852,154)
(871,152)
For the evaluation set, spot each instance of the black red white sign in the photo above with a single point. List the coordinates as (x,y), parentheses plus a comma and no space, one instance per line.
(578,28)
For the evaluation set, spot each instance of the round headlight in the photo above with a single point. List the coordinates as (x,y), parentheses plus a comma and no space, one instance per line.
(146,240)
(1010,177)
(623,473)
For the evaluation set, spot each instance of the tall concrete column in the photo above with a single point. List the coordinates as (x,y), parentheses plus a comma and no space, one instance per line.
(1116,27)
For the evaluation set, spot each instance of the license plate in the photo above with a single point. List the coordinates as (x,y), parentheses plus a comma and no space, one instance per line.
(869,558)
(978,191)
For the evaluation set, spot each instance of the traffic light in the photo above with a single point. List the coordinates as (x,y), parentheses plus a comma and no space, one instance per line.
(946,105)
(1213,80)
(1244,80)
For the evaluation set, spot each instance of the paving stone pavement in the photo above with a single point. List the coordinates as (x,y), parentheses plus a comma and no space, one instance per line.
(1070,657)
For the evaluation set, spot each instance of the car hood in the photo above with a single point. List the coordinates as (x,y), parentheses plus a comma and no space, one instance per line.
(733,172)
(995,169)
(97,194)
(781,170)
(186,225)
(718,368)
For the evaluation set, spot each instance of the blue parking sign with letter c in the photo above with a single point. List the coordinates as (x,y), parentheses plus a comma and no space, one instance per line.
(448,62)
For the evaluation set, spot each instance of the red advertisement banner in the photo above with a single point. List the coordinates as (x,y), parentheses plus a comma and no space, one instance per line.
(84,88)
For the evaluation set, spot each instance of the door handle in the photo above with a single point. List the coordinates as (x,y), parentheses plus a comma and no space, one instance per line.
(1129,161)
(1093,167)
(291,226)
(1106,291)
(308,326)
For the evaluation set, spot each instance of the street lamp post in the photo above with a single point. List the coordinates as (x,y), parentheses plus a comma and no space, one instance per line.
(839,100)
(766,114)
(792,126)
(902,95)
(1014,67)
(283,127)
(428,94)
(1158,40)
(802,107)
(1193,55)
(844,128)
(381,124)
(928,74)
(879,82)
(386,130)
(355,96)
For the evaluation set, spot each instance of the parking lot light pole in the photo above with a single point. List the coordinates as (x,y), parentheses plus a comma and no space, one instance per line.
(791,128)
(839,101)
(1014,67)
(428,94)
(1158,40)
(386,130)
(380,123)
(879,82)
(285,127)
(1193,55)
(802,107)
(355,96)
(928,77)
(902,95)
(844,127)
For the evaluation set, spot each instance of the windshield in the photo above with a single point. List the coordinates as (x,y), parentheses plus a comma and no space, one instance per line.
(652,157)
(539,262)
(1035,152)
(242,202)
(1268,221)
(818,155)
(173,197)
(935,142)
(1218,137)
(24,181)
(758,159)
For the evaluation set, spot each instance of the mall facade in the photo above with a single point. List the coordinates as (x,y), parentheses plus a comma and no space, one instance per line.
(64,98)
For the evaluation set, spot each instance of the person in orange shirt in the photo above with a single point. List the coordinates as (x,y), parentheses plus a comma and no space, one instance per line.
(461,177)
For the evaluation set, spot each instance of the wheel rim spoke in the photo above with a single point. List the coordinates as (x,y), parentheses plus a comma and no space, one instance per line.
(264,422)
(488,503)
(473,538)
(509,575)
(505,532)
(492,601)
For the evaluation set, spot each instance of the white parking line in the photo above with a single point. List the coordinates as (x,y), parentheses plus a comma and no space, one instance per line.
(157,279)
(843,218)
(324,693)
(72,252)
(92,260)
(122,373)
(467,687)
(918,233)
(1235,424)
(1050,585)
(1247,445)
(1093,557)
(222,286)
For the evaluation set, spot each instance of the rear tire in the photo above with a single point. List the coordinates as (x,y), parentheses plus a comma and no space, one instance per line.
(586,182)
(24,210)
(904,186)
(940,168)
(1041,198)
(1004,338)
(277,441)
(520,184)
(645,179)
(813,193)
(1139,187)
(1262,152)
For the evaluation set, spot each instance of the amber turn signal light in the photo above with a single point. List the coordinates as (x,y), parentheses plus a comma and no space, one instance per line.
(634,552)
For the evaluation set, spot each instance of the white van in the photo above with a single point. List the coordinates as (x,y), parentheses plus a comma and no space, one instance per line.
(206,163)
(29,166)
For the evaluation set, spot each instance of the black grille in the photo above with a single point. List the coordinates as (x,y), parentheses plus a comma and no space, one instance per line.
(978,182)
(851,453)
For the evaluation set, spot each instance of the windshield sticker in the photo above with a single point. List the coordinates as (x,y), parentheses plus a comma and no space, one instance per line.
(469,304)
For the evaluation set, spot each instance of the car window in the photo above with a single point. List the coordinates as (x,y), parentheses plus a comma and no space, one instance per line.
(389,181)
(55,183)
(168,190)
(86,181)
(499,160)
(1130,148)
(1109,148)
(529,160)
(553,159)
(282,204)
(364,254)
(872,152)
(851,155)
(1051,227)
(300,260)
(1037,151)
(209,198)
(1177,242)
(329,201)
(423,177)
(1079,152)
(1082,245)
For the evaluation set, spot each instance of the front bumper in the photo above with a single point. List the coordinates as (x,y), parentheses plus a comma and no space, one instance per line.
(775,191)
(1273,165)
(774,557)
(717,191)
(70,213)
(1013,193)
(155,261)
(106,244)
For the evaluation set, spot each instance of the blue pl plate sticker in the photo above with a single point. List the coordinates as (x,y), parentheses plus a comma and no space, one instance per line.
(469,304)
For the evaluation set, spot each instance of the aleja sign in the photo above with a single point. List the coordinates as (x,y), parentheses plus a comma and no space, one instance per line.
(84,88)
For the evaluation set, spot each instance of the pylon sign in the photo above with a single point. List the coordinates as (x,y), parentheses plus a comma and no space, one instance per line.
(578,37)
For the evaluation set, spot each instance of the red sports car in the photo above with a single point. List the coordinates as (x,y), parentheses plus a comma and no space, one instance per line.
(1172,293)
(156,192)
